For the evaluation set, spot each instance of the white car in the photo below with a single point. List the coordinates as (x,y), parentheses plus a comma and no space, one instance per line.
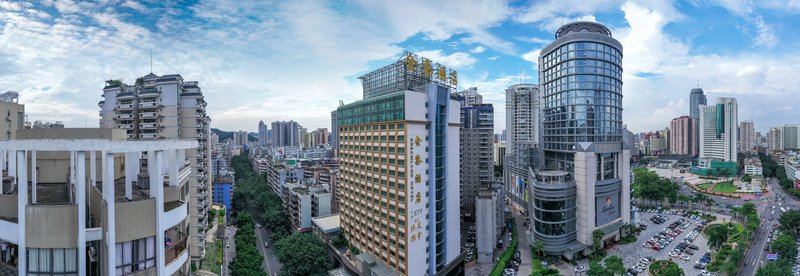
(705,273)
(685,257)
(673,254)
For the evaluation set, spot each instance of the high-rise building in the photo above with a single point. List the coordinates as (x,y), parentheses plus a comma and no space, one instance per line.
(791,136)
(683,130)
(584,183)
(775,139)
(305,139)
(167,107)
(477,149)
(318,137)
(718,125)
(471,97)
(89,219)
(523,111)
(747,136)
(240,138)
(399,161)
(285,134)
(696,99)
(499,152)
(262,133)
(334,133)
(14,114)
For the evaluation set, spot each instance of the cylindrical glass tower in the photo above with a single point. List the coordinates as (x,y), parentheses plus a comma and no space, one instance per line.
(580,74)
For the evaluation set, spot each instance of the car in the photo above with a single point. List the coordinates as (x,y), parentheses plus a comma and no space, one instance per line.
(688,252)
(644,261)
(580,269)
(517,254)
(258,225)
(509,272)
(266,244)
(704,272)
(673,254)
(633,271)
(685,257)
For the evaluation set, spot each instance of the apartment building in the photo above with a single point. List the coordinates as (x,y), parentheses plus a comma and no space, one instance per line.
(84,202)
(166,108)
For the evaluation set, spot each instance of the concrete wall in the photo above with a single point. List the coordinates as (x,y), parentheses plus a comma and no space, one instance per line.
(585,178)
(8,206)
(135,220)
(54,165)
(53,226)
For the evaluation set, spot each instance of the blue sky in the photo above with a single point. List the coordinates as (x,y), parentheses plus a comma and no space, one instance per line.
(282,60)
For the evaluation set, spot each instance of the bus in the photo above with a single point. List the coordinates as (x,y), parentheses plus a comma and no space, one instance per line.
(783,210)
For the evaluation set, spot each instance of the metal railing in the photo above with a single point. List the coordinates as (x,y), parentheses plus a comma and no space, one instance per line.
(175,249)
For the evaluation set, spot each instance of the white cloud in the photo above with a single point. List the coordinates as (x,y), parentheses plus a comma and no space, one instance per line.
(535,40)
(748,11)
(766,34)
(548,9)
(552,24)
(532,57)
(455,60)
(478,50)
(134,5)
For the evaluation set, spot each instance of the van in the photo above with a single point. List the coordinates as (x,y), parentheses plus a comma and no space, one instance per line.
(266,244)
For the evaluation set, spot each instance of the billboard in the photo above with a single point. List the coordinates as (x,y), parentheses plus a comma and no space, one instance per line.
(519,185)
(607,208)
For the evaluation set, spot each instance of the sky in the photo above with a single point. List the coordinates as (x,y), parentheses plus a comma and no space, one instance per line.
(295,60)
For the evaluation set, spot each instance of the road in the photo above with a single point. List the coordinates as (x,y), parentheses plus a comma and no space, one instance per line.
(230,249)
(271,264)
(777,196)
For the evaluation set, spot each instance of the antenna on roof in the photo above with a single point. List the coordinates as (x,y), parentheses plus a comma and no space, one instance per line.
(151,60)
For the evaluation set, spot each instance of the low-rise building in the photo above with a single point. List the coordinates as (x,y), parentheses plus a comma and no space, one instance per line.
(752,166)
(303,203)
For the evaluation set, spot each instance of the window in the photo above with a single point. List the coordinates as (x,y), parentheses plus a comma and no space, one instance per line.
(57,261)
(138,255)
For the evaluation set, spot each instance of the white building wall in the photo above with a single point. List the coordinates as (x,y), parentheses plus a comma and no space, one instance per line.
(452,199)
(417,210)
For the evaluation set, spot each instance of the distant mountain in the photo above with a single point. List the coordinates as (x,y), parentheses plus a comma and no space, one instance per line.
(223,135)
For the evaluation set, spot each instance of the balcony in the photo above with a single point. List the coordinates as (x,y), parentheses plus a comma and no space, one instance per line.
(123,117)
(124,126)
(150,136)
(149,115)
(176,250)
(155,104)
(150,126)
(124,107)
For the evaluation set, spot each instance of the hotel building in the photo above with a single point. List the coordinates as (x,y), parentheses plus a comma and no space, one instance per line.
(399,170)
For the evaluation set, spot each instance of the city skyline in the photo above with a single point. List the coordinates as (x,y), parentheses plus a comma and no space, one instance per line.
(492,45)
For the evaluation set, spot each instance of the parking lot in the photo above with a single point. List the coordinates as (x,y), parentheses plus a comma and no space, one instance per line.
(632,253)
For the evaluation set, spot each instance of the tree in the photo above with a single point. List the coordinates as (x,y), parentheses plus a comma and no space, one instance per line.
(597,269)
(537,247)
(615,265)
(717,235)
(785,246)
(302,254)
(790,221)
(747,178)
(597,236)
(772,269)
(672,270)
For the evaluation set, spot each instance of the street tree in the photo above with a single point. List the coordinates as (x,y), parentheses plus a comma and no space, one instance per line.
(302,254)
(597,236)
(615,265)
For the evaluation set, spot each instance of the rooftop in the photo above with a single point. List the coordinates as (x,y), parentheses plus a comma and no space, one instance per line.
(328,224)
